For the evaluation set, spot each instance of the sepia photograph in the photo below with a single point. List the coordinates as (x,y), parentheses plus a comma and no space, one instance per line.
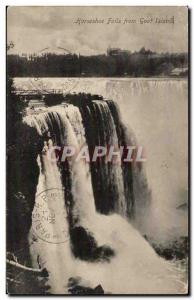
(97,169)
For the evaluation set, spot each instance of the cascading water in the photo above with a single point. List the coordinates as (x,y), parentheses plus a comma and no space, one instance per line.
(94,244)
(107,178)
(64,123)
(144,104)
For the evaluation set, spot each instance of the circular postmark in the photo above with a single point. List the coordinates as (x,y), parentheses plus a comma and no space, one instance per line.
(68,84)
(49,217)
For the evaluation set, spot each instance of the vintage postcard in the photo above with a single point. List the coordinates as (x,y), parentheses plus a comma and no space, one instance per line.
(97,150)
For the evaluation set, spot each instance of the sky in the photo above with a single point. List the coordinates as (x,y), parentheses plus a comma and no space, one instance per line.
(35,28)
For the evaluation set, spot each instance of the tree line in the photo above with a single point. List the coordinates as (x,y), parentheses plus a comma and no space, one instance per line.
(143,63)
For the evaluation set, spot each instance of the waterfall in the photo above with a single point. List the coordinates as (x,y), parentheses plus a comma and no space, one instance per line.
(110,185)
(107,178)
(89,207)
(65,125)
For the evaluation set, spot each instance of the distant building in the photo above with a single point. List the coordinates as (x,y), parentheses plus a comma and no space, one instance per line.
(179,71)
(35,103)
(117,52)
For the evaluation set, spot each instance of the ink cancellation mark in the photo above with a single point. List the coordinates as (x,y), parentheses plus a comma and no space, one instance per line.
(67,86)
(49,217)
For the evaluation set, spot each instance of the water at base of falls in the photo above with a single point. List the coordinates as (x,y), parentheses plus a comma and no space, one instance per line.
(133,267)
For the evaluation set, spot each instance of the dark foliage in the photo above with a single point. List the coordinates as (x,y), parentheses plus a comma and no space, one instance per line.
(85,247)
(53,99)
(177,249)
(75,288)
(144,63)
(22,179)
(26,283)
(23,146)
